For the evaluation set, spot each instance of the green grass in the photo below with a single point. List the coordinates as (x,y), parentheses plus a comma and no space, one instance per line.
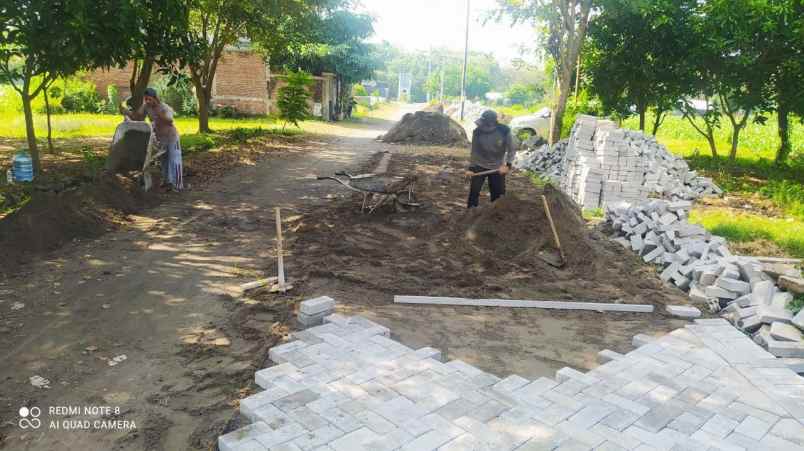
(797,304)
(85,125)
(788,233)
(756,141)
(593,213)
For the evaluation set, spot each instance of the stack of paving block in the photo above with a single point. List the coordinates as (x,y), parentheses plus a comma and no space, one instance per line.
(601,164)
(544,159)
(701,263)
(313,311)
(346,386)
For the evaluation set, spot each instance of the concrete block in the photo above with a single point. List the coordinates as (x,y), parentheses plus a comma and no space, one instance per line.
(737,286)
(707,278)
(769,313)
(718,292)
(785,332)
(642,339)
(317,305)
(798,320)
(797,365)
(683,311)
(653,255)
(668,272)
(746,300)
(762,293)
(698,295)
(607,355)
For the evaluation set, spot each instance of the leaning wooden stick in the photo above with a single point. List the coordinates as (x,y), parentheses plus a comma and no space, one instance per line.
(281,285)
(553,227)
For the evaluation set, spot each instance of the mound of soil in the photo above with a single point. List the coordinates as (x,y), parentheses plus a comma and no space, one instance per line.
(427,128)
(443,249)
(51,219)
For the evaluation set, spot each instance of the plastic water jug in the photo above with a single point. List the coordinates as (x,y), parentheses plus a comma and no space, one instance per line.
(22,167)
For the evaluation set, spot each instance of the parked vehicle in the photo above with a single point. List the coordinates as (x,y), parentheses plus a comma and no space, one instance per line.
(536,124)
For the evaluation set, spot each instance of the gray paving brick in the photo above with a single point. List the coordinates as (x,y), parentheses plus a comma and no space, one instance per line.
(355,441)
(719,426)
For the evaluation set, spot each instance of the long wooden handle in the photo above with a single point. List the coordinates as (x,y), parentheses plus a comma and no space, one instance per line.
(552,225)
(280,261)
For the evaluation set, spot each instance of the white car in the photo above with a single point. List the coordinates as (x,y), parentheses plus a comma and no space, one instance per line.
(536,124)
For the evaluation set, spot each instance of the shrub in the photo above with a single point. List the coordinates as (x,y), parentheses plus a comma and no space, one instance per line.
(359,90)
(177,91)
(293,97)
(112,99)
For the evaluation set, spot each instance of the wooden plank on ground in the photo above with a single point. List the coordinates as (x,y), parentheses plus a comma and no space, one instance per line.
(558,305)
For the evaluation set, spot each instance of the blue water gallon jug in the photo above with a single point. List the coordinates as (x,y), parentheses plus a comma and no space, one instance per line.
(22,167)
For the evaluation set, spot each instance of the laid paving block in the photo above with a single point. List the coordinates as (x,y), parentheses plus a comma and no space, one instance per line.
(607,355)
(785,332)
(317,305)
(797,365)
(683,311)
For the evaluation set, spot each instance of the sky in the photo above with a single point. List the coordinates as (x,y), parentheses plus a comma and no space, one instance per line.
(422,24)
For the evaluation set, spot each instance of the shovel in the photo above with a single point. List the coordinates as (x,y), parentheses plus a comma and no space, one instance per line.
(557,260)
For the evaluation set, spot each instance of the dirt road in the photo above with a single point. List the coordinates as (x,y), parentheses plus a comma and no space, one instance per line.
(146,320)
(160,293)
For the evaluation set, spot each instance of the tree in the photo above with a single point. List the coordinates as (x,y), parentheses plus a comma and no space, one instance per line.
(334,41)
(161,37)
(637,56)
(45,39)
(520,94)
(566,22)
(293,97)
(216,24)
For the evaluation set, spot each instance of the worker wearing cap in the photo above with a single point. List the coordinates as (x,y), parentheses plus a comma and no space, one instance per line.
(492,148)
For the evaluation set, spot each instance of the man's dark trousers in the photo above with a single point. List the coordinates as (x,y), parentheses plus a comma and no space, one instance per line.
(496,186)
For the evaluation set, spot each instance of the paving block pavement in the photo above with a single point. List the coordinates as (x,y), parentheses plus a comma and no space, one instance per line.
(345,385)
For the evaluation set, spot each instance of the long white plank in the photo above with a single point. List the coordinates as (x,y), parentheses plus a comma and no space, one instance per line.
(559,305)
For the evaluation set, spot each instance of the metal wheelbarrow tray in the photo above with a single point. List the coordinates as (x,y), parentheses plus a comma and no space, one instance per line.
(386,188)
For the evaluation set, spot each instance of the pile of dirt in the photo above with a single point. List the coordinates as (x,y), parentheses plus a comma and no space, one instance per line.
(518,230)
(443,249)
(53,218)
(427,128)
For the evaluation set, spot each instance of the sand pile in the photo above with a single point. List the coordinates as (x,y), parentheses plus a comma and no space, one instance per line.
(516,230)
(427,128)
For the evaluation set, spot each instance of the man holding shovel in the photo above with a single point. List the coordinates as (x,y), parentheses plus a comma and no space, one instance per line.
(493,152)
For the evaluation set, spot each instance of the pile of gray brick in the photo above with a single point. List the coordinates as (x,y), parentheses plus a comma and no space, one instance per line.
(313,311)
(698,262)
(345,386)
(602,165)
(543,159)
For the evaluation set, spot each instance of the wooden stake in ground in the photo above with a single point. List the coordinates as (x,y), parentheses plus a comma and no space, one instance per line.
(280,285)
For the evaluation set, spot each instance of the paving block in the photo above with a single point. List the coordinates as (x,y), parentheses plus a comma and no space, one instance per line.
(785,332)
(771,313)
(721,293)
(642,339)
(792,284)
(683,311)
(798,320)
(607,355)
(698,295)
(734,285)
(240,438)
(762,293)
(653,255)
(317,305)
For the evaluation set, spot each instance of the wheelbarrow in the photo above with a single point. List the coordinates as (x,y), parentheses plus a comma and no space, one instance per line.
(385,188)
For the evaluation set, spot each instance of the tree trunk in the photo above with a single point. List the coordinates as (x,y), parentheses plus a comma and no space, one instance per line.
(784,134)
(49,127)
(564,86)
(139,81)
(641,118)
(657,121)
(710,138)
(203,109)
(735,138)
(29,130)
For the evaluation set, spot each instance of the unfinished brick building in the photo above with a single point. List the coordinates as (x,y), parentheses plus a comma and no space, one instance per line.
(243,81)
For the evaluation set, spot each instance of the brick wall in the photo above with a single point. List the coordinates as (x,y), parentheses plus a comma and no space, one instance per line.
(241,82)
(114,76)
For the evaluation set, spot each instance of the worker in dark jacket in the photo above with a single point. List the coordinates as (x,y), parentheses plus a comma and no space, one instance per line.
(492,148)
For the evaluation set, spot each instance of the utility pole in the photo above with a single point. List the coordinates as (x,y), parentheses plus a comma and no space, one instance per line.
(465,58)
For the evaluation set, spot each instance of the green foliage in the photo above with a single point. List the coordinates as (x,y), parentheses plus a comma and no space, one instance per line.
(92,162)
(198,142)
(359,90)
(177,91)
(81,97)
(593,213)
(521,94)
(293,97)
(797,304)
(112,99)
(241,135)
(584,104)
(637,57)
(786,194)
